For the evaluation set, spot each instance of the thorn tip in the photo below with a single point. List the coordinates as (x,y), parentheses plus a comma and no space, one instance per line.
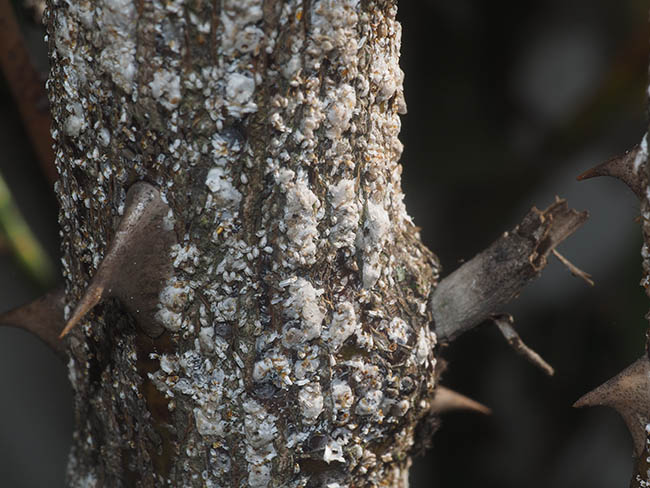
(91,297)
(628,394)
(446,400)
(623,168)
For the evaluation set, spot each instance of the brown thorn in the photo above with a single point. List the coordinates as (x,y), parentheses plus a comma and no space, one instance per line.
(575,271)
(43,317)
(628,393)
(624,168)
(92,296)
(137,263)
(446,400)
(504,323)
(27,88)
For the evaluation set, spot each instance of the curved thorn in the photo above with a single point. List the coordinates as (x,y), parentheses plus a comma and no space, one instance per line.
(137,263)
(629,394)
(446,400)
(43,317)
(624,167)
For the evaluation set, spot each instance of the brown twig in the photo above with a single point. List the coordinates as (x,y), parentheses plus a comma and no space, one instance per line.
(505,324)
(575,271)
(27,88)
(484,285)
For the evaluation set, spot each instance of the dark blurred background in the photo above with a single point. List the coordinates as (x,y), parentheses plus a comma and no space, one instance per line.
(508,102)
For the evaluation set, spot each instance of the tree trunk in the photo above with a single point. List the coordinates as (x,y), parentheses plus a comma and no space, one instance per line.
(288,343)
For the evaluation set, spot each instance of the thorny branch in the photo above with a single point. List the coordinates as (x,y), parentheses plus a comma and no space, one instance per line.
(628,392)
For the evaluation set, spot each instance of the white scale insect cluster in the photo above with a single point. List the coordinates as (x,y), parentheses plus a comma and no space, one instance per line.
(640,167)
(297,309)
(642,478)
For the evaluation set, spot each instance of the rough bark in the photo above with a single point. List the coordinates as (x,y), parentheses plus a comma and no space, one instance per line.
(296,348)
(629,391)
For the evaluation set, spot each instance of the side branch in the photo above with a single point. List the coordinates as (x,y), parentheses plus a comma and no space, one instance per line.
(483,285)
(505,324)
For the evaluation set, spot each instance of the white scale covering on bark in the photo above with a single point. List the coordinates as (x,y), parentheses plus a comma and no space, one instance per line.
(301,353)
